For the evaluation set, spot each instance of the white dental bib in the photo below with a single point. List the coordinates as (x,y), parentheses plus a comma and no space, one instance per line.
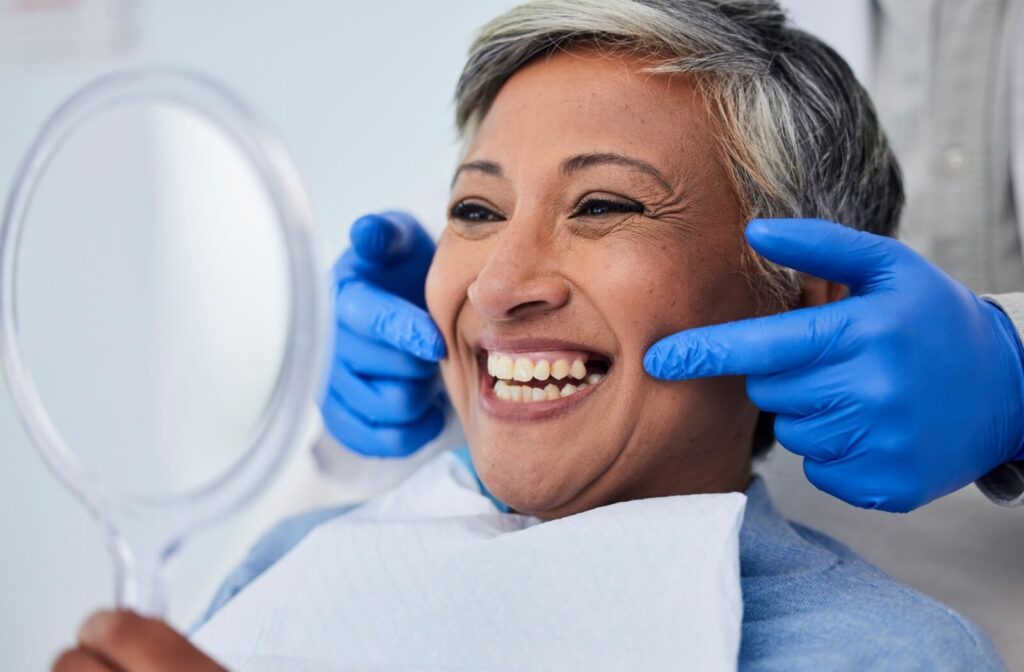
(432,577)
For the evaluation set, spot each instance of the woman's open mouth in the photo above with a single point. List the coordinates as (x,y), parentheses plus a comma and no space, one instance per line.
(528,384)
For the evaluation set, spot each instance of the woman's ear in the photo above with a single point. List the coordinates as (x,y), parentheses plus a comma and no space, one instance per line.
(817,291)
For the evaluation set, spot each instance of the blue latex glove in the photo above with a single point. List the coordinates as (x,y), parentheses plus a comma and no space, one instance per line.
(384,395)
(907,390)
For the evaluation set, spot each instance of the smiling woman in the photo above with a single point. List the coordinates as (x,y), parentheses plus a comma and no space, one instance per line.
(594,214)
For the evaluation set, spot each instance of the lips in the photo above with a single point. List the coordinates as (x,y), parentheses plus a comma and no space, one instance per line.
(535,379)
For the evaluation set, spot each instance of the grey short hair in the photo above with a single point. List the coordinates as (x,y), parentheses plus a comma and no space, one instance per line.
(799,132)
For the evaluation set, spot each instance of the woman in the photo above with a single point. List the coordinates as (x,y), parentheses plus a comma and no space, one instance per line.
(612,158)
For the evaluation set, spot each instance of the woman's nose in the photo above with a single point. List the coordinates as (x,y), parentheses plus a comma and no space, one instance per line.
(518,282)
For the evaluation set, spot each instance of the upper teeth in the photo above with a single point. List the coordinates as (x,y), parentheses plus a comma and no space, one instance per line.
(523,369)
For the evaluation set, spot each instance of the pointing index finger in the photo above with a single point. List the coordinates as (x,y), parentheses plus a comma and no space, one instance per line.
(756,346)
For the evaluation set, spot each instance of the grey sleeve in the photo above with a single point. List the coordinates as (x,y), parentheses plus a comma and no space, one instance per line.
(1005,484)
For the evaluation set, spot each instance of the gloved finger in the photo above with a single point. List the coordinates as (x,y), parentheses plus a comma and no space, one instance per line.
(756,346)
(865,490)
(381,440)
(379,315)
(391,250)
(372,358)
(383,400)
(796,392)
(826,436)
(862,261)
(390,237)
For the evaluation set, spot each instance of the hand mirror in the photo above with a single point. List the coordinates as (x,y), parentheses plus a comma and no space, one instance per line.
(163,309)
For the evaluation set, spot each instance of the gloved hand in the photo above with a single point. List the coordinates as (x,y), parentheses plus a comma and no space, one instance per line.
(384,394)
(907,390)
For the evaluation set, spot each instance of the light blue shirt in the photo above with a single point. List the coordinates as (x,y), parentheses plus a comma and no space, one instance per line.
(809,603)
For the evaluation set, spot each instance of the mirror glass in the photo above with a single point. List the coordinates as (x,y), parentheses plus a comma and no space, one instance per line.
(152,295)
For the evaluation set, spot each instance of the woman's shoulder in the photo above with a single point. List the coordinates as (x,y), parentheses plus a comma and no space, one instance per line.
(812,603)
(442,486)
(271,547)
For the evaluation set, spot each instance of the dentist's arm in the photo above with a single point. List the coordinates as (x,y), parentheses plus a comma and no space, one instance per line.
(384,395)
(907,390)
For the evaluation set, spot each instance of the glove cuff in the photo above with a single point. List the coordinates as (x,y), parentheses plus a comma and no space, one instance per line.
(1004,485)
(1009,317)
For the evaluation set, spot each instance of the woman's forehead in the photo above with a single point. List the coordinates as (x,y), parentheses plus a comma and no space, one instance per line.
(570,103)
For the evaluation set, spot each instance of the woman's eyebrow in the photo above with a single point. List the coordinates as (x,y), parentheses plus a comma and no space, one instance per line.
(573,164)
(583,161)
(485,167)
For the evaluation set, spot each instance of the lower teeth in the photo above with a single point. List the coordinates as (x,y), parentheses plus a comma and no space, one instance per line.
(528,394)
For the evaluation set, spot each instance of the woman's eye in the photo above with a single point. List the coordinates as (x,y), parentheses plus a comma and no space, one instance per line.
(473,212)
(596,207)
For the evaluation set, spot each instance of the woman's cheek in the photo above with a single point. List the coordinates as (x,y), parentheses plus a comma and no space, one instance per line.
(648,291)
(667,283)
(433,289)
(444,289)
(448,280)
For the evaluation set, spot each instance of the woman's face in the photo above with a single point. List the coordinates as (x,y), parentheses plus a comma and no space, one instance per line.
(592,215)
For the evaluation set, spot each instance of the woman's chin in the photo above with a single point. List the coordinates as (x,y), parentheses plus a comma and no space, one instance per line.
(533,480)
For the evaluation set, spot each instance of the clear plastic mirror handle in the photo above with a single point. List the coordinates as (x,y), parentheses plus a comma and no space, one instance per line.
(143,533)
